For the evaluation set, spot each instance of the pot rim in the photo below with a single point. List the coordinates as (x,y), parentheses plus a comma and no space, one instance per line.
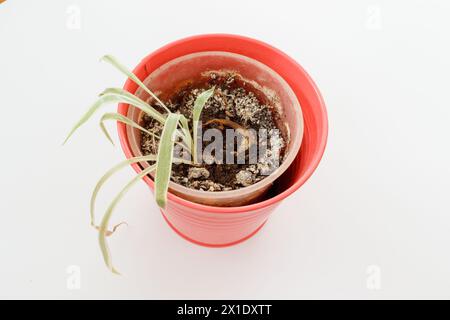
(123,136)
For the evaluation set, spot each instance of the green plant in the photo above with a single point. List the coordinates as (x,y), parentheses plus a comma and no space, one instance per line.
(175,131)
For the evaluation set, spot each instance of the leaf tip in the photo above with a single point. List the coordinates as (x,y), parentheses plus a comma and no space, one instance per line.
(105,57)
(66,139)
(114,271)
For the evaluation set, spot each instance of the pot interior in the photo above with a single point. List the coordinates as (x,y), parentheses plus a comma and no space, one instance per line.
(175,74)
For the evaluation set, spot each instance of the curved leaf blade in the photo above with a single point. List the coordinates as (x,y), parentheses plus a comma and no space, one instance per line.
(114,62)
(135,101)
(198,108)
(108,98)
(112,171)
(108,175)
(87,115)
(114,116)
(105,221)
(165,158)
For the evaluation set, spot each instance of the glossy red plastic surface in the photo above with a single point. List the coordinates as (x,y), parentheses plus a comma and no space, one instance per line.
(221,226)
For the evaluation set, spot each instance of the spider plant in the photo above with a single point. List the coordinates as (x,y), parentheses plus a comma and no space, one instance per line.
(175,131)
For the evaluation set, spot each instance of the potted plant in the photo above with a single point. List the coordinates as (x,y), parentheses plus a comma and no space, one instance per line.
(185,98)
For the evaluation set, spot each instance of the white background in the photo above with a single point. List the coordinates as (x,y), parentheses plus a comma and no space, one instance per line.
(379,197)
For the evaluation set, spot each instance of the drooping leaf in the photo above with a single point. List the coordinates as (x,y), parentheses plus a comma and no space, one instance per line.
(103,228)
(164,159)
(114,98)
(108,175)
(105,221)
(198,107)
(121,118)
(136,101)
(113,61)
(115,169)
(87,115)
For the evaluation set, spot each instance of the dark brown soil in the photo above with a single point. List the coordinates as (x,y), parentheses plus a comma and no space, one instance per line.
(233,101)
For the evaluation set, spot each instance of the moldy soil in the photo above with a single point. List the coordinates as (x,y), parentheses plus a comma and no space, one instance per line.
(234,103)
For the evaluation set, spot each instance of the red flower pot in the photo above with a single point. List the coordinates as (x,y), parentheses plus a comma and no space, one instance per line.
(223,226)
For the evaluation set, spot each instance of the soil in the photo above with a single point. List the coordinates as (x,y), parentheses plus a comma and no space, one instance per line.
(235,103)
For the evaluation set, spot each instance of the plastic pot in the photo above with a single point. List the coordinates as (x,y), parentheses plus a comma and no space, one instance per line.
(215,225)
